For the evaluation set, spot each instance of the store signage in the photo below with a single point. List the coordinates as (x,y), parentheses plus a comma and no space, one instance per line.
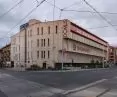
(83,33)
(65,28)
(24,26)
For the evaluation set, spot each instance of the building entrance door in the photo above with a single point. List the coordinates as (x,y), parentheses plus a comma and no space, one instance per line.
(44,65)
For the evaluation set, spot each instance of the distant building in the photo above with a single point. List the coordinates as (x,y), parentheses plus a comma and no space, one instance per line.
(112,54)
(51,43)
(5,55)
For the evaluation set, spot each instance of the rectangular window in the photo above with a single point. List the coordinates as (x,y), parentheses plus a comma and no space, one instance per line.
(56,29)
(38,31)
(31,32)
(48,54)
(19,56)
(49,30)
(42,54)
(31,43)
(41,30)
(44,42)
(37,42)
(31,55)
(37,54)
(48,42)
(41,42)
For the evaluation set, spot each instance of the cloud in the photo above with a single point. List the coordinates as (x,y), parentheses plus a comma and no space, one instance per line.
(45,11)
(113,40)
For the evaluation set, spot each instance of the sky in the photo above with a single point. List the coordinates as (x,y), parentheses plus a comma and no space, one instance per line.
(90,21)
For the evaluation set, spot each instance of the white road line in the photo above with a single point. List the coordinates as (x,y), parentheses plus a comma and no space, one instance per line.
(84,87)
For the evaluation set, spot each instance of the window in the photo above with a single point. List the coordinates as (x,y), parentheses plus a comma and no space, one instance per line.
(44,42)
(49,30)
(31,43)
(38,31)
(44,54)
(19,56)
(48,54)
(19,48)
(48,42)
(37,42)
(13,49)
(37,54)
(41,42)
(41,54)
(56,29)
(31,54)
(41,30)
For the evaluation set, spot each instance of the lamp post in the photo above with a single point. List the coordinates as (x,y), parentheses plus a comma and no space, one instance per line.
(103,56)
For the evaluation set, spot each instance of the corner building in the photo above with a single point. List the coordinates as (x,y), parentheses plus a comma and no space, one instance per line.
(112,54)
(51,43)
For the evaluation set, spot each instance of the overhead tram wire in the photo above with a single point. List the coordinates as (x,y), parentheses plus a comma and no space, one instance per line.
(11,8)
(52,4)
(61,11)
(99,14)
(103,19)
(85,11)
(26,16)
(100,27)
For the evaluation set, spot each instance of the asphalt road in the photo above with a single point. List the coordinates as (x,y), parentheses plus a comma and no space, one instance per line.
(65,80)
(2,94)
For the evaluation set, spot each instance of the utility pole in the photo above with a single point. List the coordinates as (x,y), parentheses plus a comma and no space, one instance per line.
(62,55)
(114,55)
(53,33)
(25,46)
(103,56)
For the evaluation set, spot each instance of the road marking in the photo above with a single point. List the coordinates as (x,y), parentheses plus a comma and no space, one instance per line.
(15,87)
(84,87)
(104,92)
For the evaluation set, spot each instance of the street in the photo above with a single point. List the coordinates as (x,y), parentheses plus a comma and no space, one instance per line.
(92,83)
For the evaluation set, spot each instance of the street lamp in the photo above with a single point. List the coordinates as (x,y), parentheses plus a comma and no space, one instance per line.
(103,56)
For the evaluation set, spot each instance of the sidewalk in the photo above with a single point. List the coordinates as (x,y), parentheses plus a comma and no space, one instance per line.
(74,70)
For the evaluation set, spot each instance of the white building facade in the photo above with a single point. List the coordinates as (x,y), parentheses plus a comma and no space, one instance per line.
(51,43)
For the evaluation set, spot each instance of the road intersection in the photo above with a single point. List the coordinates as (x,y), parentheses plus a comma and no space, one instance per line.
(92,83)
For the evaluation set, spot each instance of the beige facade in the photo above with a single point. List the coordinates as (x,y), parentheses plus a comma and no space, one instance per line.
(55,42)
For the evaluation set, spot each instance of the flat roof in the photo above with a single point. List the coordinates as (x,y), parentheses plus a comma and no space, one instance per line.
(75,26)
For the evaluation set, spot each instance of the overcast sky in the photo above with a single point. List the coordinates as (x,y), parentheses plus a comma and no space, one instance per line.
(45,12)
